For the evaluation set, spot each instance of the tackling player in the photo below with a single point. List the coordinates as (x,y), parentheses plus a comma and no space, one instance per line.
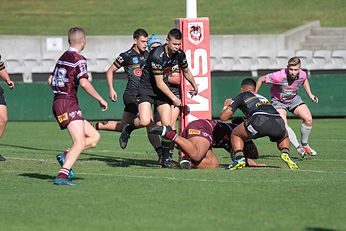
(261,119)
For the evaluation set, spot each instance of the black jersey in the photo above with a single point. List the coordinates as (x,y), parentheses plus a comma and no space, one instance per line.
(133,64)
(250,103)
(158,63)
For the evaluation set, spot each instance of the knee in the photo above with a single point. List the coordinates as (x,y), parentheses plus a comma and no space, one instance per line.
(95,139)
(144,122)
(308,121)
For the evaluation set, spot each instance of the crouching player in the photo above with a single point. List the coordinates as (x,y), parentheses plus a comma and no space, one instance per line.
(198,140)
(261,120)
(71,71)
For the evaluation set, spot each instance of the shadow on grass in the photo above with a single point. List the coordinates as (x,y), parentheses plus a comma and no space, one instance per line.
(29,148)
(120,161)
(43,176)
(318,229)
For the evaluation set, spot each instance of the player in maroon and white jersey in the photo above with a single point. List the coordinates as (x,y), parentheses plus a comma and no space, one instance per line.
(200,137)
(71,71)
(3,106)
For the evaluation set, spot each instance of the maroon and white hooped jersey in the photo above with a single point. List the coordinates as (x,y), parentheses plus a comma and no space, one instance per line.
(69,69)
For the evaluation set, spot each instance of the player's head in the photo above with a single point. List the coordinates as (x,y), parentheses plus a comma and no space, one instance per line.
(154,41)
(248,84)
(140,37)
(174,39)
(76,37)
(293,67)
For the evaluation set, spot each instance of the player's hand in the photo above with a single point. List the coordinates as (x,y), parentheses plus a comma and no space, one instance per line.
(193,93)
(314,99)
(177,102)
(10,84)
(252,163)
(227,102)
(103,104)
(113,95)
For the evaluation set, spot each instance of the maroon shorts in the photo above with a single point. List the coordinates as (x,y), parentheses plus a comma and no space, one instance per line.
(201,128)
(66,111)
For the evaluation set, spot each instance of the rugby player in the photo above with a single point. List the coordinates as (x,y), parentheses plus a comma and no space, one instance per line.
(3,106)
(71,71)
(261,119)
(284,92)
(154,90)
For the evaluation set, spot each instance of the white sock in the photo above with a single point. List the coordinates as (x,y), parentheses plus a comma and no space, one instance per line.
(293,138)
(305,132)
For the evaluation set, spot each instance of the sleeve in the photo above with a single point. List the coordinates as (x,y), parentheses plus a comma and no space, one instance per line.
(273,78)
(182,61)
(235,103)
(120,61)
(2,64)
(156,65)
(82,70)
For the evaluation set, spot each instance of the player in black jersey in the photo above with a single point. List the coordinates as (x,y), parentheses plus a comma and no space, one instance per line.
(261,119)
(3,106)
(133,61)
(154,90)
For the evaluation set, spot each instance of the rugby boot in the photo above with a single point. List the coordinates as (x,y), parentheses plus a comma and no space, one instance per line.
(2,158)
(61,159)
(309,150)
(185,164)
(63,181)
(301,151)
(169,163)
(237,164)
(290,163)
(124,136)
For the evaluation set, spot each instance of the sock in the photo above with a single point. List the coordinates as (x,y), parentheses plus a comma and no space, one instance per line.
(63,173)
(165,149)
(237,155)
(131,127)
(96,125)
(305,131)
(159,151)
(285,150)
(171,135)
(293,138)
(154,139)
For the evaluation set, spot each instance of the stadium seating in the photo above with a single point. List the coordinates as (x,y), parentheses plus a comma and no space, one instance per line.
(319,59)
(281,59)
(337,60)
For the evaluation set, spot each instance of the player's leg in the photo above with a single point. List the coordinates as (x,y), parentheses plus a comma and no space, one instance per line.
(239,134)
(209,161)
(77,134)
(3,122)
(165,112)
(283,146)
(304,113)
(92,136)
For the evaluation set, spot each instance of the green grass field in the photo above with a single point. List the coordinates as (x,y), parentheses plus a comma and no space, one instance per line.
(126,190)
(114,17)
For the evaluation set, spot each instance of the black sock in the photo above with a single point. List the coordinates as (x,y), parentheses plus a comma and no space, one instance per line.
(165,149)
(159,151)
(131,127)
(238,155)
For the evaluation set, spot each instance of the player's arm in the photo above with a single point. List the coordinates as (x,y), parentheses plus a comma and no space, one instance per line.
(86,85)
(259,82)
(189,77)
(307,88)
(227,111)
(109,75)
(49,80)
(5,76)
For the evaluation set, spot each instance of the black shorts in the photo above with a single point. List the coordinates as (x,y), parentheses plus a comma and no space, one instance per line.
(131,103)
(2,100)
(175,89)
(262,125)
(154,100)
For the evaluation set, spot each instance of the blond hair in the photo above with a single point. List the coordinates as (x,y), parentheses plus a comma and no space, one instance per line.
(293,61)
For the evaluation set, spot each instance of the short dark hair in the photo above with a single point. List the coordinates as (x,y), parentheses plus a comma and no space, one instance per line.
(249,82)
(175,33)
(139,32)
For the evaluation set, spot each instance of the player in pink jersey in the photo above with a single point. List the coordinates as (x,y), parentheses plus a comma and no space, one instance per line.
(71,71)
(284,91)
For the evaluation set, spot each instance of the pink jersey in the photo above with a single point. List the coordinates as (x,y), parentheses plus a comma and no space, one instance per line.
(69,69)
(281,89)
